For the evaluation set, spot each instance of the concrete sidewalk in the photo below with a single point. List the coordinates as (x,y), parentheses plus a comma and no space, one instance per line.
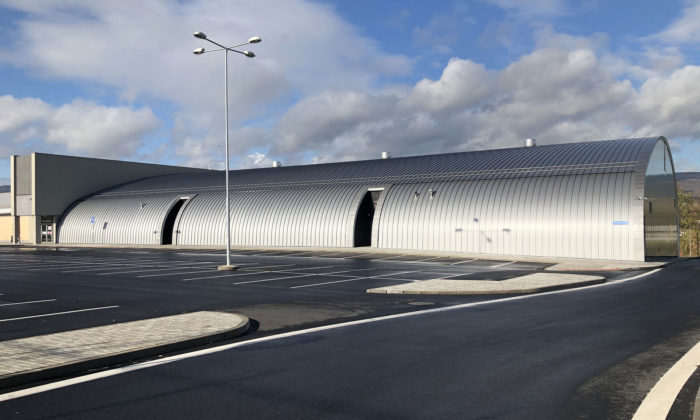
(48,356)
(532,283)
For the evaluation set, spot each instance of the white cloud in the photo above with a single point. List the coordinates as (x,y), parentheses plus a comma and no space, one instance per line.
(685,30)
(86,127)
(80,127)
(257,160)
(554,94)
(568,88)
(147,56)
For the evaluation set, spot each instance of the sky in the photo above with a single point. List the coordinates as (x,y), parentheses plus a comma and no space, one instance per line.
(337,80)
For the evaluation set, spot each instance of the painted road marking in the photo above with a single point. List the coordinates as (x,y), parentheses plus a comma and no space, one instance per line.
(357,278)
(208,277)
(251,273)
(427,259)
(178,273)
(465,261)
(356,256)
(456,275)
(501,265)
(166,360)
(333,273)
(154,269)
(59,313)
(388,258)
(266,267)
(279,278)
(658,402)
(28,302)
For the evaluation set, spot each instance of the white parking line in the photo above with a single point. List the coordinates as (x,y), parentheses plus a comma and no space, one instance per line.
(465,261)
(266,267)
(387,258)
(25,303)
(279,278)
(56,266)
(102,267)
(209,277)
(501,265)
(152,269)
(328,282)
(357,278)
(213,270)
(427,259)
(59,313)
(203,253)
(239,275)
(305,268)
(456,275)
(331,274)
(298,254)
(350,257)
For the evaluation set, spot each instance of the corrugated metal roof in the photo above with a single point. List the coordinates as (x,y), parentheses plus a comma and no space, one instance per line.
(608,156)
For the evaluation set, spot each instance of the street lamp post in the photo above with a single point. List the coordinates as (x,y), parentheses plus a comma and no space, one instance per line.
(198,51)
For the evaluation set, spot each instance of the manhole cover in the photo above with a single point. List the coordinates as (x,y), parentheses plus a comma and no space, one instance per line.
(421,303)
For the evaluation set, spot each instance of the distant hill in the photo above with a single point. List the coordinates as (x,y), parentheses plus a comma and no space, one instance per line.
(689,182)
(4,188)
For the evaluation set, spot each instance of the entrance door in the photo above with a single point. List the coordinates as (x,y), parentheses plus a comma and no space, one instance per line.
(46,229)
(364,219)
(46,232)
(167,237)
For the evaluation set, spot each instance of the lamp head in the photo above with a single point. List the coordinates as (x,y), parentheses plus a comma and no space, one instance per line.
(198,51)
(249,54)
(200,35)
(254,40)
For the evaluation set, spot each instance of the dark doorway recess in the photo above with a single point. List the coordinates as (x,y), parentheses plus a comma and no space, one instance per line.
(364,218)
(167,238)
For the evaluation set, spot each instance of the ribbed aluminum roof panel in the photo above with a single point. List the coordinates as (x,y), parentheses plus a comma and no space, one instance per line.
(610,156)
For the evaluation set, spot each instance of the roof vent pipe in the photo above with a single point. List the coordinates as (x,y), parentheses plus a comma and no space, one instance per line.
(276,164)
(386,155)
(530,142)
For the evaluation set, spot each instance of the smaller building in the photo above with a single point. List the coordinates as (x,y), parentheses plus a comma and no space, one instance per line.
(5,219)
(43,186)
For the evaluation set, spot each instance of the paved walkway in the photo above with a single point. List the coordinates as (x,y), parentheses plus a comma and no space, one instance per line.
(36,358)
(538,282)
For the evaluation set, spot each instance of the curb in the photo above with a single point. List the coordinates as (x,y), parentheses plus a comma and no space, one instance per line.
(72,368)
(498,292)
(528,284)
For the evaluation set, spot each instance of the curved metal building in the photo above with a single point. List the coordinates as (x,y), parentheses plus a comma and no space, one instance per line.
(611,199)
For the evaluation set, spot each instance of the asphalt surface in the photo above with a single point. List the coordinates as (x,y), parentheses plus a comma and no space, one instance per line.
(45,290)
(583,353)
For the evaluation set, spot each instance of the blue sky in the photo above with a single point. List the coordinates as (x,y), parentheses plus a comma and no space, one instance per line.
(339,80)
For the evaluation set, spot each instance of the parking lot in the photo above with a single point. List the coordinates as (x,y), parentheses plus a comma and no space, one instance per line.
(45,290)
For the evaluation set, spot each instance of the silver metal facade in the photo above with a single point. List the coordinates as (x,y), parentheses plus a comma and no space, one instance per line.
(117,220)
(304,216)
(579,200)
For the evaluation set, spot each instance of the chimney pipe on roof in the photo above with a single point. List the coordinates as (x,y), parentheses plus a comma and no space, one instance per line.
(386,155)
(530,142)
(276,164)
